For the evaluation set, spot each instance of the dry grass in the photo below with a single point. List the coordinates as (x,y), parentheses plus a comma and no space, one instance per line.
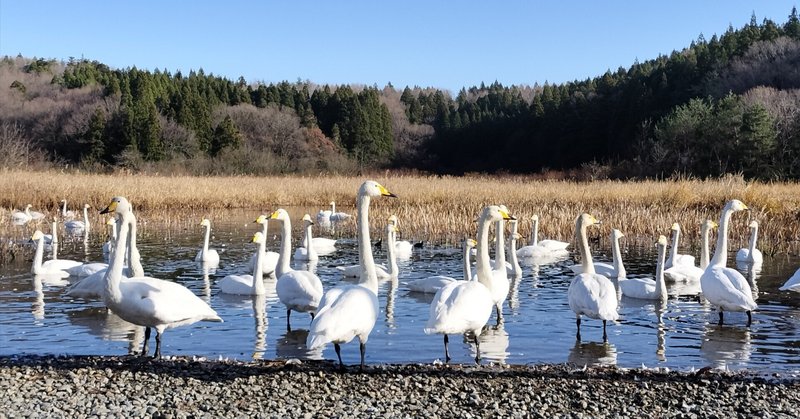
(436,209)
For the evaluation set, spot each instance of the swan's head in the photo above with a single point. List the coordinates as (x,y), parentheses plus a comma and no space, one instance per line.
(470,243)
(29,206)
(676,227)
(262,219)
(393,220)
(392,228)
(111,221)
(86,206)
(37,235)
(736,205)
(753,224)
(279,214)
(258,238)
(372,188)
(307,219)
(206,222)
(118,205)
(535,217)
(586,220)
(514,224)
(616,234)
(709,224)
(495,213)
(661,242)
(332,203)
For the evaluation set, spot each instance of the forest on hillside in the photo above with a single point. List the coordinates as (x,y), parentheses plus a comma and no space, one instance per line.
(728,104)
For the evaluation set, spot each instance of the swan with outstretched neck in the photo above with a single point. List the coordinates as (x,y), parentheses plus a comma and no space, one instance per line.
(591,294)
(725,287)
(350,311)
(248,284)
(206,255)
(465,306)
(648,288)
(674,257)
(269,260)
(751,254)
(144,301)
(307,251)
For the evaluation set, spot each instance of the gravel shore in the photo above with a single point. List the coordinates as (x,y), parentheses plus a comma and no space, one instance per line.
(78,387)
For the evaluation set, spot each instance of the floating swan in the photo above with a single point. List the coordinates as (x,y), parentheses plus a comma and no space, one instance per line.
(403,249)
(465,306)
(145,301)
(647,288)
(307,251)
(21,217)
(543,245)
(589,293)
(206,255)
(337,217)
(793,283)
(67,215)
(674,257)
(514,269)
(108,245)
(270,259)
(298,290)
(725,287)
(248,284)
(383,273)
(350,311)
(616,268)
(691,273)
(51,267)
(76,227)
(751,254)
(432,284)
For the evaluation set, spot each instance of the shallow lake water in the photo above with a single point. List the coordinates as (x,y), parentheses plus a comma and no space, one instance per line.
(539,327)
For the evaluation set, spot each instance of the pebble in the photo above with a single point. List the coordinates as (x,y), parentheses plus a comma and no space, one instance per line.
(50,386)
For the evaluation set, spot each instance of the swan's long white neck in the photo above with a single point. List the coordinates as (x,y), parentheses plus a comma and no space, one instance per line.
(753,238)
(391,239)
(704,247)
(721,252)
(500,246)
(369,277)
(85,220)
(286,248)
(309,244)
(134,259)
(64,208)
(258,271)
(482,264)
(673,253)
(535,232)
(586,253)
(37,258)
(512,250)
(333,208)
(617,257)
(206,239)
(467,264)
(54,241)
(661,285)
(111,292)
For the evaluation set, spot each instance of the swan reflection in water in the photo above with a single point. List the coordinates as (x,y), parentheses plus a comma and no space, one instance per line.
(260,317)
(391,295)
(724,346)
(103,323)
(494,344)
(592,353)
(37,308)
(292,345)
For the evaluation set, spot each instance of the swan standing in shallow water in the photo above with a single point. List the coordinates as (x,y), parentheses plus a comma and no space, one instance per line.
(432,284)
(466,306)
(298,290)
(751,254)
(76,227)
(725,287)
(145,301)
(269,260)
(206,255)
(350,311)
(248,284)
(589,293)
(646,288)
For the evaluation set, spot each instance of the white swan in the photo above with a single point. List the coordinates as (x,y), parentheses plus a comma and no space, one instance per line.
(307,251)
(21,217)
(350,311)
(109,244)
(206,255)
(403,249)
(270,259)
(66,214)
(514,269)
(545,245)
(674,257)
(466,306)
(77,227)
(725,287)
(647,288)
(51,267)
(86,269)
(793,283)
(689,272)
(615,269)
(337,217)
(383,273)
(751,254)
(248,284)
(705,230)
(432,284)
(591,294)
(52,238)
(500,282)
(298,290)
(145,301)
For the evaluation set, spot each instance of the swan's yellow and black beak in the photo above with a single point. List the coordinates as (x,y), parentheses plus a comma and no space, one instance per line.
(274,215)
(261,218)
(385,192)
(110,208)
(506,215)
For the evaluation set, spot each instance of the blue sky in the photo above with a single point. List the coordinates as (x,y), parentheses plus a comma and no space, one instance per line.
(442,44)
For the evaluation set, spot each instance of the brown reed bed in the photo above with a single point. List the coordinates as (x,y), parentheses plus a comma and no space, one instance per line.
(432,208)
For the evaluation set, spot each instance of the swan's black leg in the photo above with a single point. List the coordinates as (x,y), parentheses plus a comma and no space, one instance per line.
(749,318)
(363,348)
(477,350)
(605,336)
(720,317)
(339,354)
(312,316)
(145,349)
(288,322)
(499,311)
(446,351)
(578,323)
(157,355)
